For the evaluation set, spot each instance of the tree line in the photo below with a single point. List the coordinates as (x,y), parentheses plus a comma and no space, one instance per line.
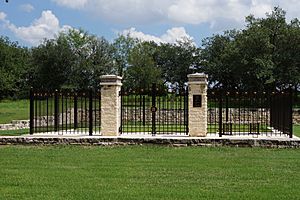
(265,55)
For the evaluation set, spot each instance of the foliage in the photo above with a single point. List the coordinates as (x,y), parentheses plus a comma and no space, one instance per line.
(74,59)
(13,65)
(177,60)
(265,55)
(123,45)
(142,70)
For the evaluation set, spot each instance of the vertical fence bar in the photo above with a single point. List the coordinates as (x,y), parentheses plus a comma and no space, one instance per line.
(56,108)
(291,113)
(31,117)
(122,110)
(90,112)
(47,110)
(153,109)
(220,115)
(144,111)
(186,108)
(75,111)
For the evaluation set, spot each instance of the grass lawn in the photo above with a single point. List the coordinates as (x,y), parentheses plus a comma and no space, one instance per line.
(14,132)
(13,110)
(148,172)
(296,130)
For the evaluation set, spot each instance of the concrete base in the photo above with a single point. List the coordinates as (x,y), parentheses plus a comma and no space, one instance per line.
(154,140)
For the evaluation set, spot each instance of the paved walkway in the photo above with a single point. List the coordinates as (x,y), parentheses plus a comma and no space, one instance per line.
(164,136)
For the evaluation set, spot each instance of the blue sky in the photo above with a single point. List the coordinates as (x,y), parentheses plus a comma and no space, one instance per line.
(29,21)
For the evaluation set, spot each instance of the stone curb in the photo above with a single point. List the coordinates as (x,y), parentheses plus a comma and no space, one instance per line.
(176,142)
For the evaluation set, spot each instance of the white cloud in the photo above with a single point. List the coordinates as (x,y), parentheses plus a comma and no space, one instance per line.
(215,12)
(75,4)
(171,36)
(2,16)
(27,7)
(47,26)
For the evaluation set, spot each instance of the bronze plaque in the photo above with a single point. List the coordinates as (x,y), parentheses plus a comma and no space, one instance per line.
(153,109)
(197,101)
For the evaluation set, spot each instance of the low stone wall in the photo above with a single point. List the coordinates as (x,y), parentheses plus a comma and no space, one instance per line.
(166,116)
(65,118)
(162,115)
(175,142)
(236,115)
(15,125)
(296,116)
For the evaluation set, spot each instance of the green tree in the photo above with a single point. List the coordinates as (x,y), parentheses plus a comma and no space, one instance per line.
(177,60)
(14,63)
(74,59)
(262,56)
(220,60)
(142,70)
(93,58)
(123,45)
(53,61)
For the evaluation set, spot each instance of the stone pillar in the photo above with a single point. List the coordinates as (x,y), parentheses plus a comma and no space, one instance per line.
(110,105)
(197,104)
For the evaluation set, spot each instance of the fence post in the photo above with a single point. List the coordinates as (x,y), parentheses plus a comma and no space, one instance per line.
(197,104)
(153,109)
(90,111)
(56,111)
(110,105)
(291,113)
(31,118)
(75,111)
(220,115)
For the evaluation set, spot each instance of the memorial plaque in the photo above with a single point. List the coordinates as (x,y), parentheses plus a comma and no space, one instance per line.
(153,109)
(197,101)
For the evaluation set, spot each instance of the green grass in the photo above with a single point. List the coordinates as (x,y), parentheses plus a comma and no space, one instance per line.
(13,110)
(14,132)
(296,130)
(148,172)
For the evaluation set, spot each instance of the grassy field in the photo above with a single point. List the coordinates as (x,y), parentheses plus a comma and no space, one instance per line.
(296,130)
(13,110)
(148,172)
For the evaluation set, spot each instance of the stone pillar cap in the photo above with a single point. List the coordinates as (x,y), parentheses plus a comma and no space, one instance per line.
(196,75)
(111,76)
(110,80)
(198,78)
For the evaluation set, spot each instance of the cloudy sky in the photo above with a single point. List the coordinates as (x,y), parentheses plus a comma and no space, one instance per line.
(29,21)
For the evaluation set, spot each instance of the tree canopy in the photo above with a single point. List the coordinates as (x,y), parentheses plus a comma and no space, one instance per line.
(264,55)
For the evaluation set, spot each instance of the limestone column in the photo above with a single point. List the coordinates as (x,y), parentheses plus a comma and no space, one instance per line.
(197,84)
(110,105)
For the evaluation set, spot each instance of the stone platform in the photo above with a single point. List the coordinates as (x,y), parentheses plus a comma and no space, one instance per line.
(176,141)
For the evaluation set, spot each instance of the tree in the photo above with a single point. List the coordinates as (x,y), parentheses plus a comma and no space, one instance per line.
(123,45)
(219,60)
(177,60)
(93,58)
(53,61)
(14,63)
(74,59)
(142,70)
(262,56)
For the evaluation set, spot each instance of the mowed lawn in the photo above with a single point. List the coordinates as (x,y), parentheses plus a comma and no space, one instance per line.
(148,172)
(13,110)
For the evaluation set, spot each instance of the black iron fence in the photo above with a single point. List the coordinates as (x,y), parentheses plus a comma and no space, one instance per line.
(154,111)
(241,113)
(65,111)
